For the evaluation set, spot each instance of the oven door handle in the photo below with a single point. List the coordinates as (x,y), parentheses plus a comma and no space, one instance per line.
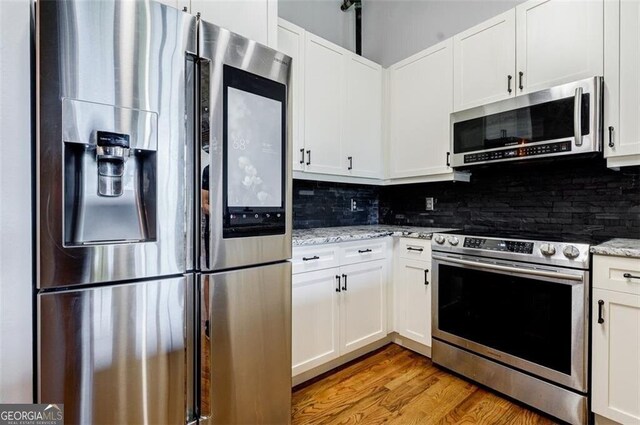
(497,267)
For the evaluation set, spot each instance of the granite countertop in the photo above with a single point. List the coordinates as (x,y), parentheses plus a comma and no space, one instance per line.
(322,235)
(618,247)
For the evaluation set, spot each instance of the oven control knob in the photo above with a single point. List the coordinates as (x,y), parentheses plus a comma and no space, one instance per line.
(547,249)
(453,241)
(439,239)
(571,251)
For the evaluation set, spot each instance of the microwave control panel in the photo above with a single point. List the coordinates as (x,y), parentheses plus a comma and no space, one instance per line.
(518,152)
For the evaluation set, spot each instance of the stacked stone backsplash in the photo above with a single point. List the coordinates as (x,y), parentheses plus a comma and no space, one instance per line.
(320,204)
(578,198)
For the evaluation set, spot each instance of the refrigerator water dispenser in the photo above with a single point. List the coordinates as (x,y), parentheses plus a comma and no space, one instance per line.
(109,174)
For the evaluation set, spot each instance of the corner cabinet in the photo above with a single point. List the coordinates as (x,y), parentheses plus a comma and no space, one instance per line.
(622,83)
(616,340)
(421,99)
(256,19)
(340,305)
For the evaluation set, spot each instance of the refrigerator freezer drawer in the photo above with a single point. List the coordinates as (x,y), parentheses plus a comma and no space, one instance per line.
(116,354)
(245,352)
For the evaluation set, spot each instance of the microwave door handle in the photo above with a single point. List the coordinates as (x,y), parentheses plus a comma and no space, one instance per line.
(577,116)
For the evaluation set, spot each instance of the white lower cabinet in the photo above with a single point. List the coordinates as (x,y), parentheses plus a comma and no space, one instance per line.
(314,318)
(413,282)
(337,310)
(363,312)
(616,340)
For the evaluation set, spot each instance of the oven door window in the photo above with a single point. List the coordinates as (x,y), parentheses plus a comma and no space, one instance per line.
(254,151)
(527,318)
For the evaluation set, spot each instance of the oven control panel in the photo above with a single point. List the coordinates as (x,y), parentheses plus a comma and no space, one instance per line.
(499,245)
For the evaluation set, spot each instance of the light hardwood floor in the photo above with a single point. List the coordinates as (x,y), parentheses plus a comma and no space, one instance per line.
(397,386)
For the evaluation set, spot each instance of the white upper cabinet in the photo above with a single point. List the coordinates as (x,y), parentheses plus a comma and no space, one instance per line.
(421,100)
(254,19)
(362,147)
(485,58)
(323,105)
(558,41)
(622,82)
(291,43)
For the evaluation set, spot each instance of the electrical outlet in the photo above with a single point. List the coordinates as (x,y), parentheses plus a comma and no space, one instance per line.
(354,206)
(429,204)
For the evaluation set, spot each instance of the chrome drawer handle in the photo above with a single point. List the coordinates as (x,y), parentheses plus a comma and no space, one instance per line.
(630,276)
(315,257)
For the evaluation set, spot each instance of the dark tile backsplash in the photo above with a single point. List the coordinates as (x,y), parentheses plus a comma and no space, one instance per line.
(580,198)
(320,204)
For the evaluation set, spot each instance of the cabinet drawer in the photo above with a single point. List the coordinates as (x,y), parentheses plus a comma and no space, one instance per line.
(415,249)
(365,251)
(616,274)
(317,257)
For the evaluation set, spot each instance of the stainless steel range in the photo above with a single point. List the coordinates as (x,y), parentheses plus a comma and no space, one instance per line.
(512,313)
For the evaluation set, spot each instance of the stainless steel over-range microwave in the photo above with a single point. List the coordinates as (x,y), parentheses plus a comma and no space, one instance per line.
(563,120)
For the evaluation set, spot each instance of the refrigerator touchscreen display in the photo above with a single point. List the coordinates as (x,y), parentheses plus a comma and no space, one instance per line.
(254,150)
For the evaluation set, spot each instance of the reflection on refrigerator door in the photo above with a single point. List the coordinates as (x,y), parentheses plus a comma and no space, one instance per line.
(245,352)
(117,354)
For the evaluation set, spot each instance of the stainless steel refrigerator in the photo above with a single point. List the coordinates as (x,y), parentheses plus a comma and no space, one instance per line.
(244,183)
(162,297)
(114,82)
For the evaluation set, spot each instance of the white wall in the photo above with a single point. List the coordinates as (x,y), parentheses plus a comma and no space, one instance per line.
(16,372)
(392,30)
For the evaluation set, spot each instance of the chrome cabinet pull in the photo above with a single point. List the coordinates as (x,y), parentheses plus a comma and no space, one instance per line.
(630,276)
(611,143)
(338,279)
(309,157)
(577,116)
(302,156)
(600,311)
(364,251)
(426,279)
(520,86)
(509,78)
(315,257)
(344,287)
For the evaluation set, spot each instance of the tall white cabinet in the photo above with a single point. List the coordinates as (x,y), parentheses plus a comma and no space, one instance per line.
(616,339)
(421,99)
(254,19)
(622,82)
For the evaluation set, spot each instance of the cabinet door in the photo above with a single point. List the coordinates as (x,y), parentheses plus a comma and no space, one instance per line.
(622,78)
(414,290)
(254,19)
(314,320)
(323,105)
(363,311)
(484,62)
(558,42)
(616,356)
(363,121)
(421,93)
(291,43)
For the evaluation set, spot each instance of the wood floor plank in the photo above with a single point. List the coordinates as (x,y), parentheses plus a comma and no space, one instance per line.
(397,386)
